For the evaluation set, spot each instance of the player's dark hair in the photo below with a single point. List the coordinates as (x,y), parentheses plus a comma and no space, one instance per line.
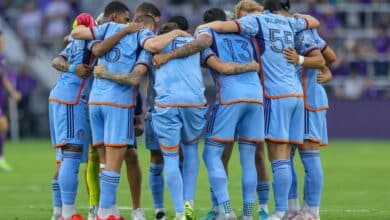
(272,5)
(167,27)
(115,7)
(285,5)
(148,8)
(146,19)
(214,14)
(181,21)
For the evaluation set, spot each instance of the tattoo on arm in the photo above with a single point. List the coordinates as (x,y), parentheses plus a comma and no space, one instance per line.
(60,64)
(240,68)
(190,48)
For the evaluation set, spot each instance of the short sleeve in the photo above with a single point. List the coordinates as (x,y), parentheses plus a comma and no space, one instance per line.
(143,35)
(204,30)
(321,43)
(248,25)
(205,55)
(100,31)
(65,53)
(299,24)
(91,43)
(309,43)
(145,58)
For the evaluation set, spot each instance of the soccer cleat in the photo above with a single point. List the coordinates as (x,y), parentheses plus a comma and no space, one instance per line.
(138,214)
(277,217)
(74,217)
(263,215)
(4,166)
(92,212)
(160,215)
(211,215)
(293,215)
(110,217)
(246,218)
(189,211)
(229,216)
(305,215)
(56,217)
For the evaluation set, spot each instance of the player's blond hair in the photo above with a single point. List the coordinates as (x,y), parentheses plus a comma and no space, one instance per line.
(248,6)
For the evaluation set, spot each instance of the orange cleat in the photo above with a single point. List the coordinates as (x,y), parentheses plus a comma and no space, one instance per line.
(74,217)
(111,217)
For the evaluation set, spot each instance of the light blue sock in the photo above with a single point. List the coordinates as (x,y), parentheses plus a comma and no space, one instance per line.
(314,177)
(249,175)
(212,154)
(68,176)
(281,183)
(156,183)
(214,201)
(109,181)
(174,179)
(263,192)
(55,187)
(190,170)
(293,193)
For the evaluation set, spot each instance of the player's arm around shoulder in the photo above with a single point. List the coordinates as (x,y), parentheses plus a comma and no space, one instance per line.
(222,26)
(133,78)
(61,64)
(313,59)
(202,42)
(311,21)
(230,68)
(155,44)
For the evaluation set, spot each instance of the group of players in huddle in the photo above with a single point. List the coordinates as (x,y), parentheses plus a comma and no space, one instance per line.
(268,67)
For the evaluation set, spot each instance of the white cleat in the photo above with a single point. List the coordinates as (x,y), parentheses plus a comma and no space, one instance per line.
(138,214)
(92,213)
(56,217)
(305,215)
(230,216)
(274,216)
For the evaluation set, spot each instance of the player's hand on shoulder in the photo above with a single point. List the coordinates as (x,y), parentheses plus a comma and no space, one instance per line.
(159,59)
(291,55)
(133,27)
(82,70)
(181,33)
(99,71)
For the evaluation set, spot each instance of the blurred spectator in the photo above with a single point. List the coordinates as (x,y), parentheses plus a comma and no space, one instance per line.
(359,61)
(331,22)
(25,84)
(56,22)
(353,86)
(29,26)
(382,46)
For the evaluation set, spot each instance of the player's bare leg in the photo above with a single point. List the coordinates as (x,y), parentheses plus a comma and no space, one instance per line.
(4,166)
(279,156)
(134,177)
(262,181)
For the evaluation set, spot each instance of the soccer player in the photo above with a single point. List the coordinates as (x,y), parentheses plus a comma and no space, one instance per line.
(311,45)
(284,113)
(69,123)
(6,84)
(194,47)
(227,46)
(111,104)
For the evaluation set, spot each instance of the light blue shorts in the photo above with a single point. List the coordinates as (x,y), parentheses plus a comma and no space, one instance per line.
(151,139)
(244,121)
(176,125)
(316,127)
(112,126)
(69,125)
(284,120)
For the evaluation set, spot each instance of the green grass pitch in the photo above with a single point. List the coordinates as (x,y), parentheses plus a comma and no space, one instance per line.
(357,176)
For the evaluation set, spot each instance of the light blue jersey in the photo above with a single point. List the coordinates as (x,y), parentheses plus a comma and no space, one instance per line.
(274,33)
(119,60)
(179,83)
(243,87)
(70,88)
(315,98)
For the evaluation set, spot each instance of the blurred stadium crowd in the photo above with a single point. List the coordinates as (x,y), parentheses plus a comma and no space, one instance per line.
(358,29)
